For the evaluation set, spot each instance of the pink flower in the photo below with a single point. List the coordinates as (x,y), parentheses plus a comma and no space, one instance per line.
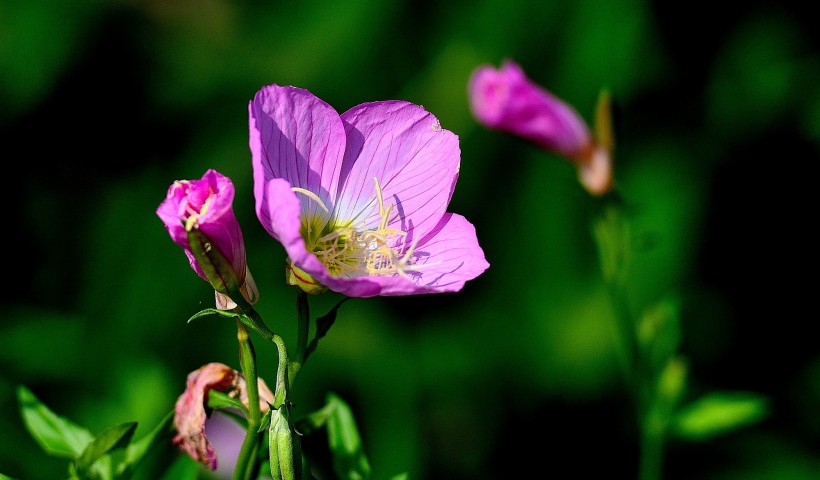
(359,201)
(506,100)
(190,413)
(207,205)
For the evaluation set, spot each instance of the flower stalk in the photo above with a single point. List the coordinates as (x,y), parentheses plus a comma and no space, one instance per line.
(247,359)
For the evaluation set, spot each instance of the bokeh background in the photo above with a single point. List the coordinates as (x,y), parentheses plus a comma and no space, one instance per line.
(103,104)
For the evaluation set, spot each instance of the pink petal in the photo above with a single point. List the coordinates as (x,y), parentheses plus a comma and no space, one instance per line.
(414,160)
(189,412)
(297,137)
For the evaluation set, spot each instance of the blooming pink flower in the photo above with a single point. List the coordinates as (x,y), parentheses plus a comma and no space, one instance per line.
(190,413)
(207,204)
(506,100)
(359,200)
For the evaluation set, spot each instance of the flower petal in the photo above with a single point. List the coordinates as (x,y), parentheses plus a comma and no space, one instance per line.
(414,160)
(449,255)
(295,136)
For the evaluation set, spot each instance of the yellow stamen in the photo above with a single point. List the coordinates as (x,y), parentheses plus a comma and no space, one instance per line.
(347,251)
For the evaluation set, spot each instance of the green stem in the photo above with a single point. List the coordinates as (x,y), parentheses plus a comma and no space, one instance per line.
(303,326)
(651,448)
(614,241)
(247,359)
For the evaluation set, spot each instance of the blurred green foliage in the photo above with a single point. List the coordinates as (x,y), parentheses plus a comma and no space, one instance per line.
(103,104)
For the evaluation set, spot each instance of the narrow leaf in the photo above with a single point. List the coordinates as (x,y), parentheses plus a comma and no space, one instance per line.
(183,468)
(349,460)
(118,436)
(56,435)
(214,312)
(718,413)
(136,451)
(218,399)
(323,325)
(314,420)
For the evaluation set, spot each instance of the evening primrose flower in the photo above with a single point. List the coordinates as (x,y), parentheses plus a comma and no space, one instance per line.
(190,409)
(506,100)
(359,200)
(207,205)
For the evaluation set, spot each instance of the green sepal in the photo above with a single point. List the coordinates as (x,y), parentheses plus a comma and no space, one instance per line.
(57,435)
(323,325)
(118,436)
(137,450)
(602,123)
(217,269)
(613,236)
(718,413)
(284,447)
(349,459)
(265,421)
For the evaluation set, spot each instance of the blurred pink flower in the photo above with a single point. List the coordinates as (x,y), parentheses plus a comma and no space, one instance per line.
(190,413)
(359,200)
(207,204)
(506,100)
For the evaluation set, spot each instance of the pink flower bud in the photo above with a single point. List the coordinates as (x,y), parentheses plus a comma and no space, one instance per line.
(207,205)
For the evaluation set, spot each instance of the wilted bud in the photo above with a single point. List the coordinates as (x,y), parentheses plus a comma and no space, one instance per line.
(198,215)
(190,410)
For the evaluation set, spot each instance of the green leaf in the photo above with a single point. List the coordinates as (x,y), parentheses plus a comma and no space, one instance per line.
(137,450)
(118,436)
(718,413)
(223,400)
(183,468)
(401,476)
(5,477)
(314,420)
(56,435)
(214,312)
(349,460)
(323,325)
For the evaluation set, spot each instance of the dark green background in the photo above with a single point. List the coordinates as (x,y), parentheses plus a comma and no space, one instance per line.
(105,104)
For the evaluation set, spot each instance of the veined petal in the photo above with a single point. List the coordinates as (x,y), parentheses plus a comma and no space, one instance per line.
(449,255)
(414,160)
(297,137)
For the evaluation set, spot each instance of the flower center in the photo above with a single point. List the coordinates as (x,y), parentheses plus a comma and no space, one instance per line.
(348,251)
(196,204)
